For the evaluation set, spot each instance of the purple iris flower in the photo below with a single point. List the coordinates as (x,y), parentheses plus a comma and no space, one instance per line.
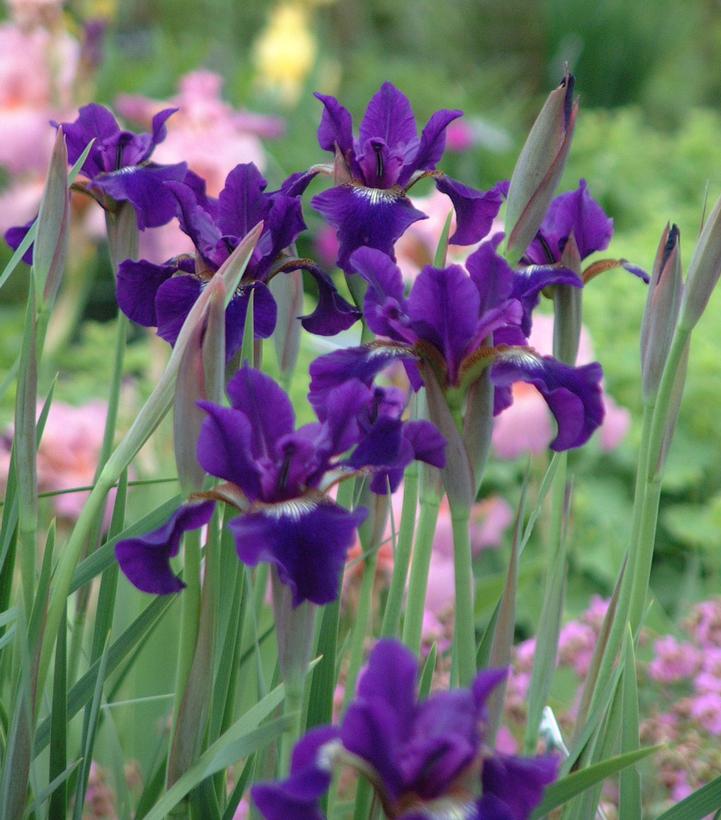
(424,759)
(161,295)
(278,476)
(118,168)
(578,214)
(458,323)
(369,205)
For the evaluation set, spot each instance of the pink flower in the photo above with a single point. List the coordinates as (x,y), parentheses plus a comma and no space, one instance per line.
(706,709)
(706,623)
(709,678)
(68,453)
(576,643)
(417,247)
(596,612)
(674,660)
(207,133)
(526,427)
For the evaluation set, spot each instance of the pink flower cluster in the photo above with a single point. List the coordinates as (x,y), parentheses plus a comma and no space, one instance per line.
(680,685)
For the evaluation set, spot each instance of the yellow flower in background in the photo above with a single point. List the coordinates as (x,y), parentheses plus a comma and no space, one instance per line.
(285,51)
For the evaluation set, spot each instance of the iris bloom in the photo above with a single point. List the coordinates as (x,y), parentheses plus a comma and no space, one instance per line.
(161,295)
(278,477)
(118,168)
(424,758)
(576,213)
(457,323)
(373,172)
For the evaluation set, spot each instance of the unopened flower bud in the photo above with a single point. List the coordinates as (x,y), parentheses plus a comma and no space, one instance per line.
(51,244)
(662,306)
(539,167)
(704,270)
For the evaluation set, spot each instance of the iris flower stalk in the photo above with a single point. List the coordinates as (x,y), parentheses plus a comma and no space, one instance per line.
(462,333)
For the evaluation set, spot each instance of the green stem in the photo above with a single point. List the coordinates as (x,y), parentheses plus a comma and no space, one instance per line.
(464,633)
(402,557)
(418,584)
(292,706)
(361,626)
(190,613)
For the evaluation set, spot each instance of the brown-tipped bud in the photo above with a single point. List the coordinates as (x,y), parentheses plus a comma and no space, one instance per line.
(704,270)
(568,308)
(539,167)
(662,307)
(51,243)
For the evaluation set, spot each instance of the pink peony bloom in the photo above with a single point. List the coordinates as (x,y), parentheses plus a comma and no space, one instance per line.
(526,426)
(674,661)
(208,134)
(68,453)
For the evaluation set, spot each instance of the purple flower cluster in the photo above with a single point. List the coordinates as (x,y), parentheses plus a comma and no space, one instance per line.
(278,478)
(424,758)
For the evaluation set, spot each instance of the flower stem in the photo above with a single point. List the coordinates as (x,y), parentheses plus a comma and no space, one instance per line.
(422,550)
(464,633)
(402,557)
(190,613)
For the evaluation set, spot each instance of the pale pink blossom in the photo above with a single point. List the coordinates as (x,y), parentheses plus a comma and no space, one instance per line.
(576,643)
(674,660)
(706,709)
(705,622)
(417,247)
(207,133)
(709,678)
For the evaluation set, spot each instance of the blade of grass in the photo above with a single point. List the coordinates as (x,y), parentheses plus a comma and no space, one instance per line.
(59,725)
(429,667)
(697,805)
(630,786)
(576,783)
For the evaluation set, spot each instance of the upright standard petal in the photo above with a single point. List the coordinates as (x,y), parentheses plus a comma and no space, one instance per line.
(573,394)
(305,539)
(366,217)
(529,282)
(336,125)
(389,116)
(224,448)
(577,213)
(265,313)
(266,406)
(145,560)
(491,274)
(242,203)
(384,307)
(93,122)
(298,796)
(432,144)
(443,308)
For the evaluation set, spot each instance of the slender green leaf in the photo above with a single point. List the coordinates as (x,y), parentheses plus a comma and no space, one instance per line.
(576,783)
(242,739)
(59,725)
(697,805)
(16,258)
(320,703)
(51,789)
(83,690)
(429,667)
(240,787)
(439,259)
(630,796)
(90,725)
